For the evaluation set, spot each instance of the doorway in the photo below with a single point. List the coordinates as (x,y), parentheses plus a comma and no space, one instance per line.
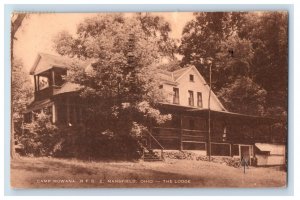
(245,153)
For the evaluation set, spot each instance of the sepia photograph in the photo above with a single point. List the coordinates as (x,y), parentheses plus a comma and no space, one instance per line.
(149,100)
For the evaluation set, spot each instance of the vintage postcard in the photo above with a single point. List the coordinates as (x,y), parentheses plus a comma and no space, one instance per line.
(149,100)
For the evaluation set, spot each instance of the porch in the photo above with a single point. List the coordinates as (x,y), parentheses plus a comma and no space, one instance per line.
(231,134)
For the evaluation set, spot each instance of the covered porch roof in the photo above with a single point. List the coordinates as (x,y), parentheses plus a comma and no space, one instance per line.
(36,105)
(193,111)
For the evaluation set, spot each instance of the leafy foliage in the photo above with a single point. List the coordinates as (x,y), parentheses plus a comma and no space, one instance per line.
(243,91)
(40,136)
(120,86)
(246,51)
(21,94)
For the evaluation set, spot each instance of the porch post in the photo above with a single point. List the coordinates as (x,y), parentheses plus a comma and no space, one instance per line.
(181,133)
(74,111)
(270,133)
(35,87)
(208,150)
(38,82)
(80,114)
(68,110)
(54,114)
(53,77)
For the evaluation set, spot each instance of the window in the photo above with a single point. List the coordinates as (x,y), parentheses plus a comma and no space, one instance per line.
(191,98)
(160,86)
(58,79)
(199,100)
(43,82)
(176,95)
(191,77)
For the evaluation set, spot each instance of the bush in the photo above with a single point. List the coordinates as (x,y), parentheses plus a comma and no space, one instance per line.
(39,137)
(85,145)
(43,138)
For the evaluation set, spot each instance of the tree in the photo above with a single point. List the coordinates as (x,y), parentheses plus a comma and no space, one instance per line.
(249,56)
(170,65)
(16,22)
(21,94)
(268,33)
(240,46)
(120,85)
(212,38)
(244,96)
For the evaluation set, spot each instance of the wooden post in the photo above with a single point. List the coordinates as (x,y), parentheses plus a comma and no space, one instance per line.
(38,82)
(209,128)
(53,77)
(74,117)
(270,133)
(181,133)
(80,114)
(54,114)
(35,87)
(68,111)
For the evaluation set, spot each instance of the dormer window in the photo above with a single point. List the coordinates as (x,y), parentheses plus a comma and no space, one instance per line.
(191,77)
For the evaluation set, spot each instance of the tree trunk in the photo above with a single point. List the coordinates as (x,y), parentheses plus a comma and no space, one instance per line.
(15,25)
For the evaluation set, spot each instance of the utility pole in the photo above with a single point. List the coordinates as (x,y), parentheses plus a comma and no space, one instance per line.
(209,117)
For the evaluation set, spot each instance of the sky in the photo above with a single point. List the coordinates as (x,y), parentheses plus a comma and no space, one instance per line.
(38,30)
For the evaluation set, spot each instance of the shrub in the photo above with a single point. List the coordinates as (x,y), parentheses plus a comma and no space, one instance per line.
(43,138)
(39,137)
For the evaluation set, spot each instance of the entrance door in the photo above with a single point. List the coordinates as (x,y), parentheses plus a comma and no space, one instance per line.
(245,153)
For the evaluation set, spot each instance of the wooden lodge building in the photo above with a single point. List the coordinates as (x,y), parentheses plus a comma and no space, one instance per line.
(230,134)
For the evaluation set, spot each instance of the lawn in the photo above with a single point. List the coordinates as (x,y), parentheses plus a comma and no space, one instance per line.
(64,173)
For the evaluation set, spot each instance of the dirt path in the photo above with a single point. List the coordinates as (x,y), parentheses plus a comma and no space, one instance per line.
(62,173)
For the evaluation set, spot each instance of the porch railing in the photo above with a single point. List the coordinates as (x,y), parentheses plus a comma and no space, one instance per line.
(158,143)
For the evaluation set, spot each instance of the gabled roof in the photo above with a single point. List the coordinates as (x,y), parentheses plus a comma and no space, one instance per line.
(178,73)
(45,62)
(173,78)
